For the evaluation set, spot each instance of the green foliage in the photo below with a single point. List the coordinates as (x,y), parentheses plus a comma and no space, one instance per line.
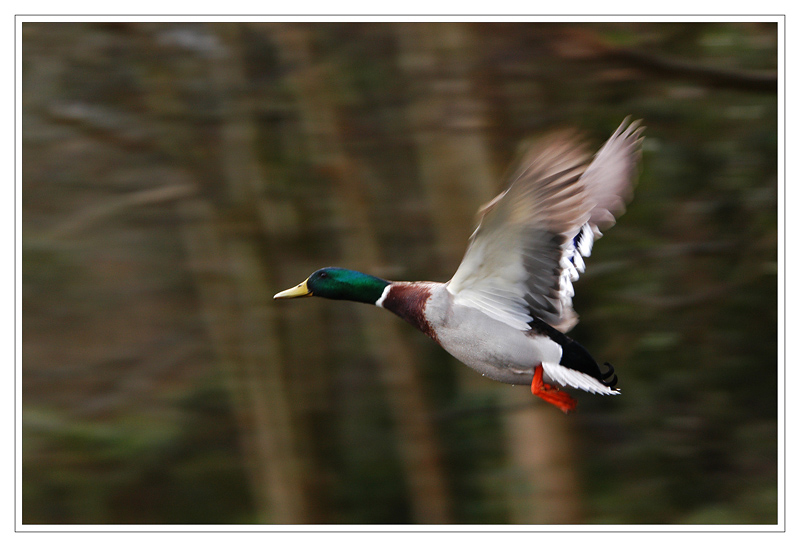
(184,470)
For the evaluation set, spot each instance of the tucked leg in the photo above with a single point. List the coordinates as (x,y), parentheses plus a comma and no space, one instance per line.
(551,394)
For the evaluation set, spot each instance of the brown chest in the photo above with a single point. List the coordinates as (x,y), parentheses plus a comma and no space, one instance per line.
(408,300)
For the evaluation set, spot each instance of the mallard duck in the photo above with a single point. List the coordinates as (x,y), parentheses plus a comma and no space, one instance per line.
(506,310)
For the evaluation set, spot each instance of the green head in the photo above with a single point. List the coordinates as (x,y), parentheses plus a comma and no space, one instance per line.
(339,284)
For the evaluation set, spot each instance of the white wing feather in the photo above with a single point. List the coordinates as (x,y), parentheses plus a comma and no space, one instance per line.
(531,240)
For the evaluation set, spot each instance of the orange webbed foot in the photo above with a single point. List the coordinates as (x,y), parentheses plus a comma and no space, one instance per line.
(551,394)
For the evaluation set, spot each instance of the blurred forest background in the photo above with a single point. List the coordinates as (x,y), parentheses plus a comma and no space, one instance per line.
(176,175)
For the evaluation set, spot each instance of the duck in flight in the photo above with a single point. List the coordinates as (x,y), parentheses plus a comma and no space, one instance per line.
(506,310)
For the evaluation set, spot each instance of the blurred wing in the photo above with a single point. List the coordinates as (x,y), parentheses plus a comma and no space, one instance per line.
(531,240)
(512,267)
(609,179)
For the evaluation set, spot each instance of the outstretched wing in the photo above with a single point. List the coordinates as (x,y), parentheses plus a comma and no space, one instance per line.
(531,239)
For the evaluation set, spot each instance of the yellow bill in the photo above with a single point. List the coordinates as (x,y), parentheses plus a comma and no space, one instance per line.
(295,292)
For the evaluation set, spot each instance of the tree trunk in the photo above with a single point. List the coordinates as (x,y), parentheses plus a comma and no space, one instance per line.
(450,132)
(419,446)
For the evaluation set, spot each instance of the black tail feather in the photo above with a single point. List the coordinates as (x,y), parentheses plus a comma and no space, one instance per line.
(574,355)
(608,374)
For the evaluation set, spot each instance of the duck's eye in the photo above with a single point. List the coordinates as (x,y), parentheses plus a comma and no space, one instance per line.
(323,274)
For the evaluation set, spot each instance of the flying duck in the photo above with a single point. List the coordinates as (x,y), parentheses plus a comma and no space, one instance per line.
(506,310)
